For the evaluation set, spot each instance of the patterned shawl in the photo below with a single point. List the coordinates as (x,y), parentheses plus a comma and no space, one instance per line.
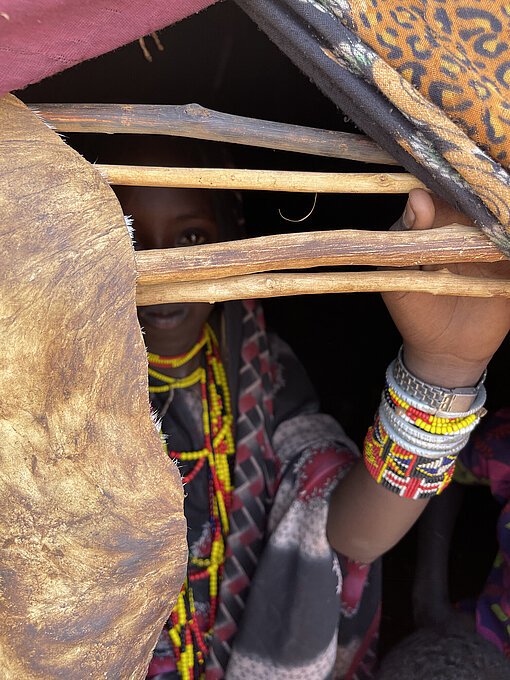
(282,602)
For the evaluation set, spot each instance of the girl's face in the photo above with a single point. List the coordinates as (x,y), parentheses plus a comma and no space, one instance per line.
(170,218)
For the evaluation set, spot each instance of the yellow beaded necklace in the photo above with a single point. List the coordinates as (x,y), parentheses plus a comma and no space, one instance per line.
(189,642)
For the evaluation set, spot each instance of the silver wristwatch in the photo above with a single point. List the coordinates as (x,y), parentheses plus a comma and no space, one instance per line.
(441,399)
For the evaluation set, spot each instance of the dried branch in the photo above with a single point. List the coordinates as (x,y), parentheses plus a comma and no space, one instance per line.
(192,120)
(278,285)
(454,243)
(262,180)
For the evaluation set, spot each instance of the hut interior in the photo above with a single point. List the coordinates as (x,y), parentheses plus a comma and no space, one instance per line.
(220,60)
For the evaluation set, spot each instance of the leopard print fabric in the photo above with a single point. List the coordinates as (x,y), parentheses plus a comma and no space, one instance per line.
(429,80)
(456,53)
(446,65)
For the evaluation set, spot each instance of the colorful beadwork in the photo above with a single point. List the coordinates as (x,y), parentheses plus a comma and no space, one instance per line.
(189,642)
(432,397)
(426,421)
(412,447)
(180,359)
(405,473)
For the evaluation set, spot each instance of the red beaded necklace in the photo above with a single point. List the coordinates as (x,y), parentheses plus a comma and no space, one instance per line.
(189,642)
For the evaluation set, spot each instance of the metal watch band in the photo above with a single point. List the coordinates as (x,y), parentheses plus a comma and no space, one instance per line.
(457,400)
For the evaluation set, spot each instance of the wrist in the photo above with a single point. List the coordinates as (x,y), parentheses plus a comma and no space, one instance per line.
(443,370)
(428,410)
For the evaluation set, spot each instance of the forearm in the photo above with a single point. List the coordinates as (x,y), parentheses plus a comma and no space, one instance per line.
(365,519)
(411,449)
(409,454)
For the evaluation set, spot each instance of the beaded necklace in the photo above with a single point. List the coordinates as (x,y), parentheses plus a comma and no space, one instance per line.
(189,642)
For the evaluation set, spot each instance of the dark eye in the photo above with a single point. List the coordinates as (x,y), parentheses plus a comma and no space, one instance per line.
(192,237)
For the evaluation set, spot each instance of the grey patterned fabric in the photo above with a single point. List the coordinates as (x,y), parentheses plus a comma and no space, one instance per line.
(285,609)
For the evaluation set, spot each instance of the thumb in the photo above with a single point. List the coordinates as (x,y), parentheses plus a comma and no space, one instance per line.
(420,212)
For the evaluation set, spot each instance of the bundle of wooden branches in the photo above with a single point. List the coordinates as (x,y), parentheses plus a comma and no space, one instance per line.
(236,270)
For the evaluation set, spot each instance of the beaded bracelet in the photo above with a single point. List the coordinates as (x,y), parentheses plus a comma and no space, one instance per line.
(407,474)
(413,432)
(412,447)
(426,421)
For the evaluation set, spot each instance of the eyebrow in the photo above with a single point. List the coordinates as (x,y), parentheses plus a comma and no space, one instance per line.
(194,216)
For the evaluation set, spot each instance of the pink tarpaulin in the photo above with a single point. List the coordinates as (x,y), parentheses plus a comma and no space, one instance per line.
(41,37)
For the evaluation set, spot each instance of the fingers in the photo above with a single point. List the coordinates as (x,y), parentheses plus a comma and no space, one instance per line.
(432,211)
(425,211)
(419,212)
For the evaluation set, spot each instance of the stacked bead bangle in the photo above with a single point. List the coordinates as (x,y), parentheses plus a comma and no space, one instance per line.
(402,422)
(408,440)
(425,421)
(403,472)
(412,447)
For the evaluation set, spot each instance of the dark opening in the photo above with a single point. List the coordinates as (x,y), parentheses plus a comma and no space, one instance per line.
(220,60)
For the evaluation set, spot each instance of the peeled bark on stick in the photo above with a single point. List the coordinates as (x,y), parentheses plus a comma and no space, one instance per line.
(93,547)
(278,285)
(261,180)
(454,243)
(193,120)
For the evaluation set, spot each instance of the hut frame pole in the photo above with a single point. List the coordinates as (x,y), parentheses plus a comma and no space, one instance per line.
(278,285)
(261,180)
(193,120)
(238,270)
(348,247)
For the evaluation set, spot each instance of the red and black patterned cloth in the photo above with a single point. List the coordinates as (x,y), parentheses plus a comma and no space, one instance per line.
(284,606)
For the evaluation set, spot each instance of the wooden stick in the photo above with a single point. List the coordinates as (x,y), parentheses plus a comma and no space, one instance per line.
(192,120)
(453,243)
(278,285)
(262,180)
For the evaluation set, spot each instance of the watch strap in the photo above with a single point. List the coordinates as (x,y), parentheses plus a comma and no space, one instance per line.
(440,399)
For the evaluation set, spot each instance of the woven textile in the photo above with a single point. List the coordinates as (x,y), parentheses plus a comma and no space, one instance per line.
(286,609)
(254,479)
(455,53)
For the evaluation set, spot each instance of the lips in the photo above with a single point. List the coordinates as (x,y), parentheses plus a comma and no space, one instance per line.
(163,316)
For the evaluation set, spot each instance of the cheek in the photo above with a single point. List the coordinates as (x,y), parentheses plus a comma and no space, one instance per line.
(199,312)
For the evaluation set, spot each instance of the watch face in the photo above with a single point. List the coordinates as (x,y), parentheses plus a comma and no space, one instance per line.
(458,402)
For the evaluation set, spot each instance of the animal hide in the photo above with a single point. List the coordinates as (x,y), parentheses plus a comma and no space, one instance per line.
(93,548)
